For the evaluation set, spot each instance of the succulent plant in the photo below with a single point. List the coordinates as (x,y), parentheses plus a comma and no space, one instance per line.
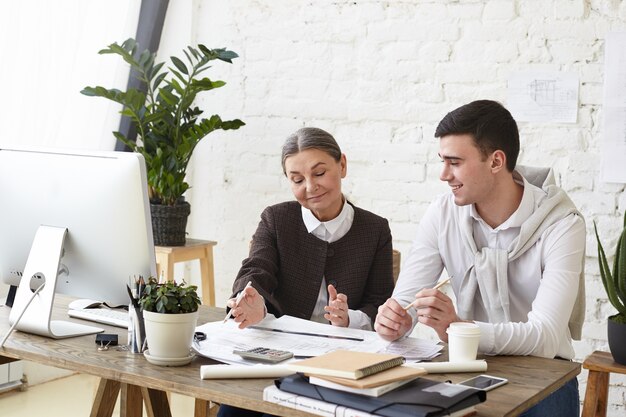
(614,281)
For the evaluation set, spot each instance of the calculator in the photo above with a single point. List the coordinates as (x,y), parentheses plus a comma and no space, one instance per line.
(262,354)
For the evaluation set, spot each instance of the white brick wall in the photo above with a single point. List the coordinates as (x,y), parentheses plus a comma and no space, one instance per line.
(379,75)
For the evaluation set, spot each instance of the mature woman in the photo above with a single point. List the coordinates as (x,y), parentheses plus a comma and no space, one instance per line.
(318,258)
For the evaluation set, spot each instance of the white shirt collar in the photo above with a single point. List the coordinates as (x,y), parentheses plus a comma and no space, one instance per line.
(332,226)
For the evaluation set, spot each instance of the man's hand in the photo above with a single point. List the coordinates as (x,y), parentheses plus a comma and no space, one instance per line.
(251,308)
(392,322)
(436,310)
(337,308)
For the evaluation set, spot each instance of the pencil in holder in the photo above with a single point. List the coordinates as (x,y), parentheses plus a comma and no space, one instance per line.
(136,330)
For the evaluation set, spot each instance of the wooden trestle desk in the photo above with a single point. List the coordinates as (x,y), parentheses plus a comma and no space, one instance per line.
(530,379)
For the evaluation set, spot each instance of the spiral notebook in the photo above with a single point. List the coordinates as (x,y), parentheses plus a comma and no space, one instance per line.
(347,364)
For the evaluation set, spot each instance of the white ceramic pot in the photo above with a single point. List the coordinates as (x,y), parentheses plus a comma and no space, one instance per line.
(170,335)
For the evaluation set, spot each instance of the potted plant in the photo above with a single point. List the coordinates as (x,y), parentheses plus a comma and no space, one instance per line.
(168,125)
(615,286)
(170,314)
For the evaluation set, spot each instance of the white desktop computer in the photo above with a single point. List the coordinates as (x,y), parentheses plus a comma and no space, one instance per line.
(76,222)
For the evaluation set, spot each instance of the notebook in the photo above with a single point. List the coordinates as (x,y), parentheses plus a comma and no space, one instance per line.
(347,364)
(397,373)
(370,392)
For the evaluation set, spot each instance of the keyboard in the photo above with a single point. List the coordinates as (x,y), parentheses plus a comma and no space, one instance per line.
(117,318)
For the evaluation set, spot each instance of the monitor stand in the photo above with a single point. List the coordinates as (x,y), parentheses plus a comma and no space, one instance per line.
(42,266)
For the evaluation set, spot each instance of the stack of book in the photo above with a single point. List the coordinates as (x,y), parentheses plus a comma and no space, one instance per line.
(347,383)
(364,373)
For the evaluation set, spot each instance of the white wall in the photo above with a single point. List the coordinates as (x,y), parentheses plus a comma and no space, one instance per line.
(379,75)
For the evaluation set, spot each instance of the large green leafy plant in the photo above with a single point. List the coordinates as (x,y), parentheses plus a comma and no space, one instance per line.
(615,281)
(168,124)
(169,297)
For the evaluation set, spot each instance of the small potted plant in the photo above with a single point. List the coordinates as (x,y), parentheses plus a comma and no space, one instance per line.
(615,286)
(170,314)
(168,125)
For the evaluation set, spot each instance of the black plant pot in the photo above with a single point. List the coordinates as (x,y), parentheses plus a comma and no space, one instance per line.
(169,223)
(617,340)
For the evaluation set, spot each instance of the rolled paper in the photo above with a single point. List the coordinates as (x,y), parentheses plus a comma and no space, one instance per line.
(243,371)
(450,367)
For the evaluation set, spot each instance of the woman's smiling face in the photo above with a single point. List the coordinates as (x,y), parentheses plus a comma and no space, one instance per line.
(315,179)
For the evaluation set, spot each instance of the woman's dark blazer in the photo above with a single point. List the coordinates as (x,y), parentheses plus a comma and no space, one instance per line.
(286,263)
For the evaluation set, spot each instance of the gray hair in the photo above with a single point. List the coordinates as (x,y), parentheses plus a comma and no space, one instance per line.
(310,138)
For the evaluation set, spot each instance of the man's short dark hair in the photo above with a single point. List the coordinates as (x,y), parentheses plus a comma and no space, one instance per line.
(489,123)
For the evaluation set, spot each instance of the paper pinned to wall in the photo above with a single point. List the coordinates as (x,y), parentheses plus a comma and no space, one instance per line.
(613,147)
(543,96)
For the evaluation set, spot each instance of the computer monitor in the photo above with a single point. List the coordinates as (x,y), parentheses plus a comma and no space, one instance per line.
(91,215)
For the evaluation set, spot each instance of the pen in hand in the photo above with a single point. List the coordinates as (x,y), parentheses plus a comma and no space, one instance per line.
(436,287)
(237,301)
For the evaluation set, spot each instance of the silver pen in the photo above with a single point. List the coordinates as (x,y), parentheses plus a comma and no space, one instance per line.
(237,301)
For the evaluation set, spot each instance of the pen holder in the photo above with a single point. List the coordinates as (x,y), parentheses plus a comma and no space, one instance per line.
(136,330)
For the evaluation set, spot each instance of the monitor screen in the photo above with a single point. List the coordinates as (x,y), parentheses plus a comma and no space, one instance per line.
(102,200)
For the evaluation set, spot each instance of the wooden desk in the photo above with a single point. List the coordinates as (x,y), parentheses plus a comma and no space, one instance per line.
(530,379)
(167,256)
(600,365)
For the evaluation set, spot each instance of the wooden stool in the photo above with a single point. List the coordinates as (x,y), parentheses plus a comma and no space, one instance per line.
(600,365)
(167,256)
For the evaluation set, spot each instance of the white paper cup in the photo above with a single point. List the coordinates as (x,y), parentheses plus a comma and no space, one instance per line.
(463,341)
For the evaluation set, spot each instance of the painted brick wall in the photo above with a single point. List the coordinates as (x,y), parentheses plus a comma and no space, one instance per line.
(380,75)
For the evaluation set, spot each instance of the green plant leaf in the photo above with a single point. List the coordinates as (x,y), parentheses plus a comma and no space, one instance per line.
(232,124)
(206,84)
(227,56)
(619,269)
(180,65)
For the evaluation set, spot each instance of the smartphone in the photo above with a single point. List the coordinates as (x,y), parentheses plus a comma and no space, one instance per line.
(484,382)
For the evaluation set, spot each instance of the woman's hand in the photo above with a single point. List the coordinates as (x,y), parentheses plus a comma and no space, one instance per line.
(251,308)
(337,308)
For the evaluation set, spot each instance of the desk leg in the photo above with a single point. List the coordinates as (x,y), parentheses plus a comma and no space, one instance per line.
(106,396)
(204,408)
(156,402)
(131,401)
(208,277)
(596,395)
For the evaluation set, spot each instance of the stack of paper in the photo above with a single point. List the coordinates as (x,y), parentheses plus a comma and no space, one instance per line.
(413,349)
(304,338)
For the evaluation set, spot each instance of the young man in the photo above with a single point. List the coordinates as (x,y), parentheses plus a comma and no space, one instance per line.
(512,242)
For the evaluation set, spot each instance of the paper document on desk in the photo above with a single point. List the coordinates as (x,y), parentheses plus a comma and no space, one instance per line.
(302,337)
(413,348)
